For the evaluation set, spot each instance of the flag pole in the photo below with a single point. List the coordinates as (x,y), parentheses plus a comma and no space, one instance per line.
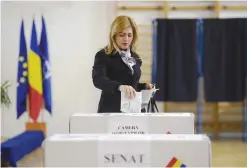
(28,110)
(42,114)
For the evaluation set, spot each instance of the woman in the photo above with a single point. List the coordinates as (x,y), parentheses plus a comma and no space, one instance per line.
(116,68)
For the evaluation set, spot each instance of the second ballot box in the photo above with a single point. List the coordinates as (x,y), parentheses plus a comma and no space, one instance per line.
(101,150)
(132,123)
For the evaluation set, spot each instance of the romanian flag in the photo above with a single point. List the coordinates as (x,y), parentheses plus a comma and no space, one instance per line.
(175,163)
(34,77)
(22,79)
(46,66)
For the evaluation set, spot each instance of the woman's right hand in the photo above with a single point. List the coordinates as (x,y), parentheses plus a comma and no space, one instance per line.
(128,90)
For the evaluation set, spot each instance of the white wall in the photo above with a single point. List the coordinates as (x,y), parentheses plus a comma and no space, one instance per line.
(75,32)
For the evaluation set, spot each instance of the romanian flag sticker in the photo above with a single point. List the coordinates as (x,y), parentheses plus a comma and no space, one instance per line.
(174,162)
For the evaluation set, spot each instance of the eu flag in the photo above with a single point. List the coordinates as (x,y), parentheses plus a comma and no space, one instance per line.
(46,66)
(22,80)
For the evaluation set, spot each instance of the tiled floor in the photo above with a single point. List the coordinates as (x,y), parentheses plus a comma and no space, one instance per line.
(224,154)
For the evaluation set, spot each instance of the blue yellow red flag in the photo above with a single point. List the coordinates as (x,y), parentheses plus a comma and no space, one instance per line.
(34,77)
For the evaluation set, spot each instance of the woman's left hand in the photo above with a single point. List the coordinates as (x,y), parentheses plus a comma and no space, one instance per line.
(149,86)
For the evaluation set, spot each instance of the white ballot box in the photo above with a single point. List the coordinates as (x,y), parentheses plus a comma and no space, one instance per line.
(132,123)
(101,150)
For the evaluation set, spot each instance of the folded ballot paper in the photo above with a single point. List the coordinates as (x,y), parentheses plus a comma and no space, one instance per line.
(101,150)
(136,104)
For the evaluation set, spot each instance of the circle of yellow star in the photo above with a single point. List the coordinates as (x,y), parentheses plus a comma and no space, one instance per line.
(24,65)
(21,59)
(24,73)
(22,80)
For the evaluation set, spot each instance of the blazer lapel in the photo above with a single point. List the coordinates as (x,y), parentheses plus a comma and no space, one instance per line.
(136,69)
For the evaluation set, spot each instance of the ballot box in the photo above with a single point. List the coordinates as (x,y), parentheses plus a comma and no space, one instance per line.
(146,150)
(132,123)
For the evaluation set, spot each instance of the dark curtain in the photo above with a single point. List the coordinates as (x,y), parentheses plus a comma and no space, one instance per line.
(224,49)
(176,59)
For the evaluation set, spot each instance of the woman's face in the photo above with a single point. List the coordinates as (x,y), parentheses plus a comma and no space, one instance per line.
(124,38)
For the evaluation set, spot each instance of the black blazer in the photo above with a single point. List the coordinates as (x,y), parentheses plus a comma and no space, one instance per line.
(109,72)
